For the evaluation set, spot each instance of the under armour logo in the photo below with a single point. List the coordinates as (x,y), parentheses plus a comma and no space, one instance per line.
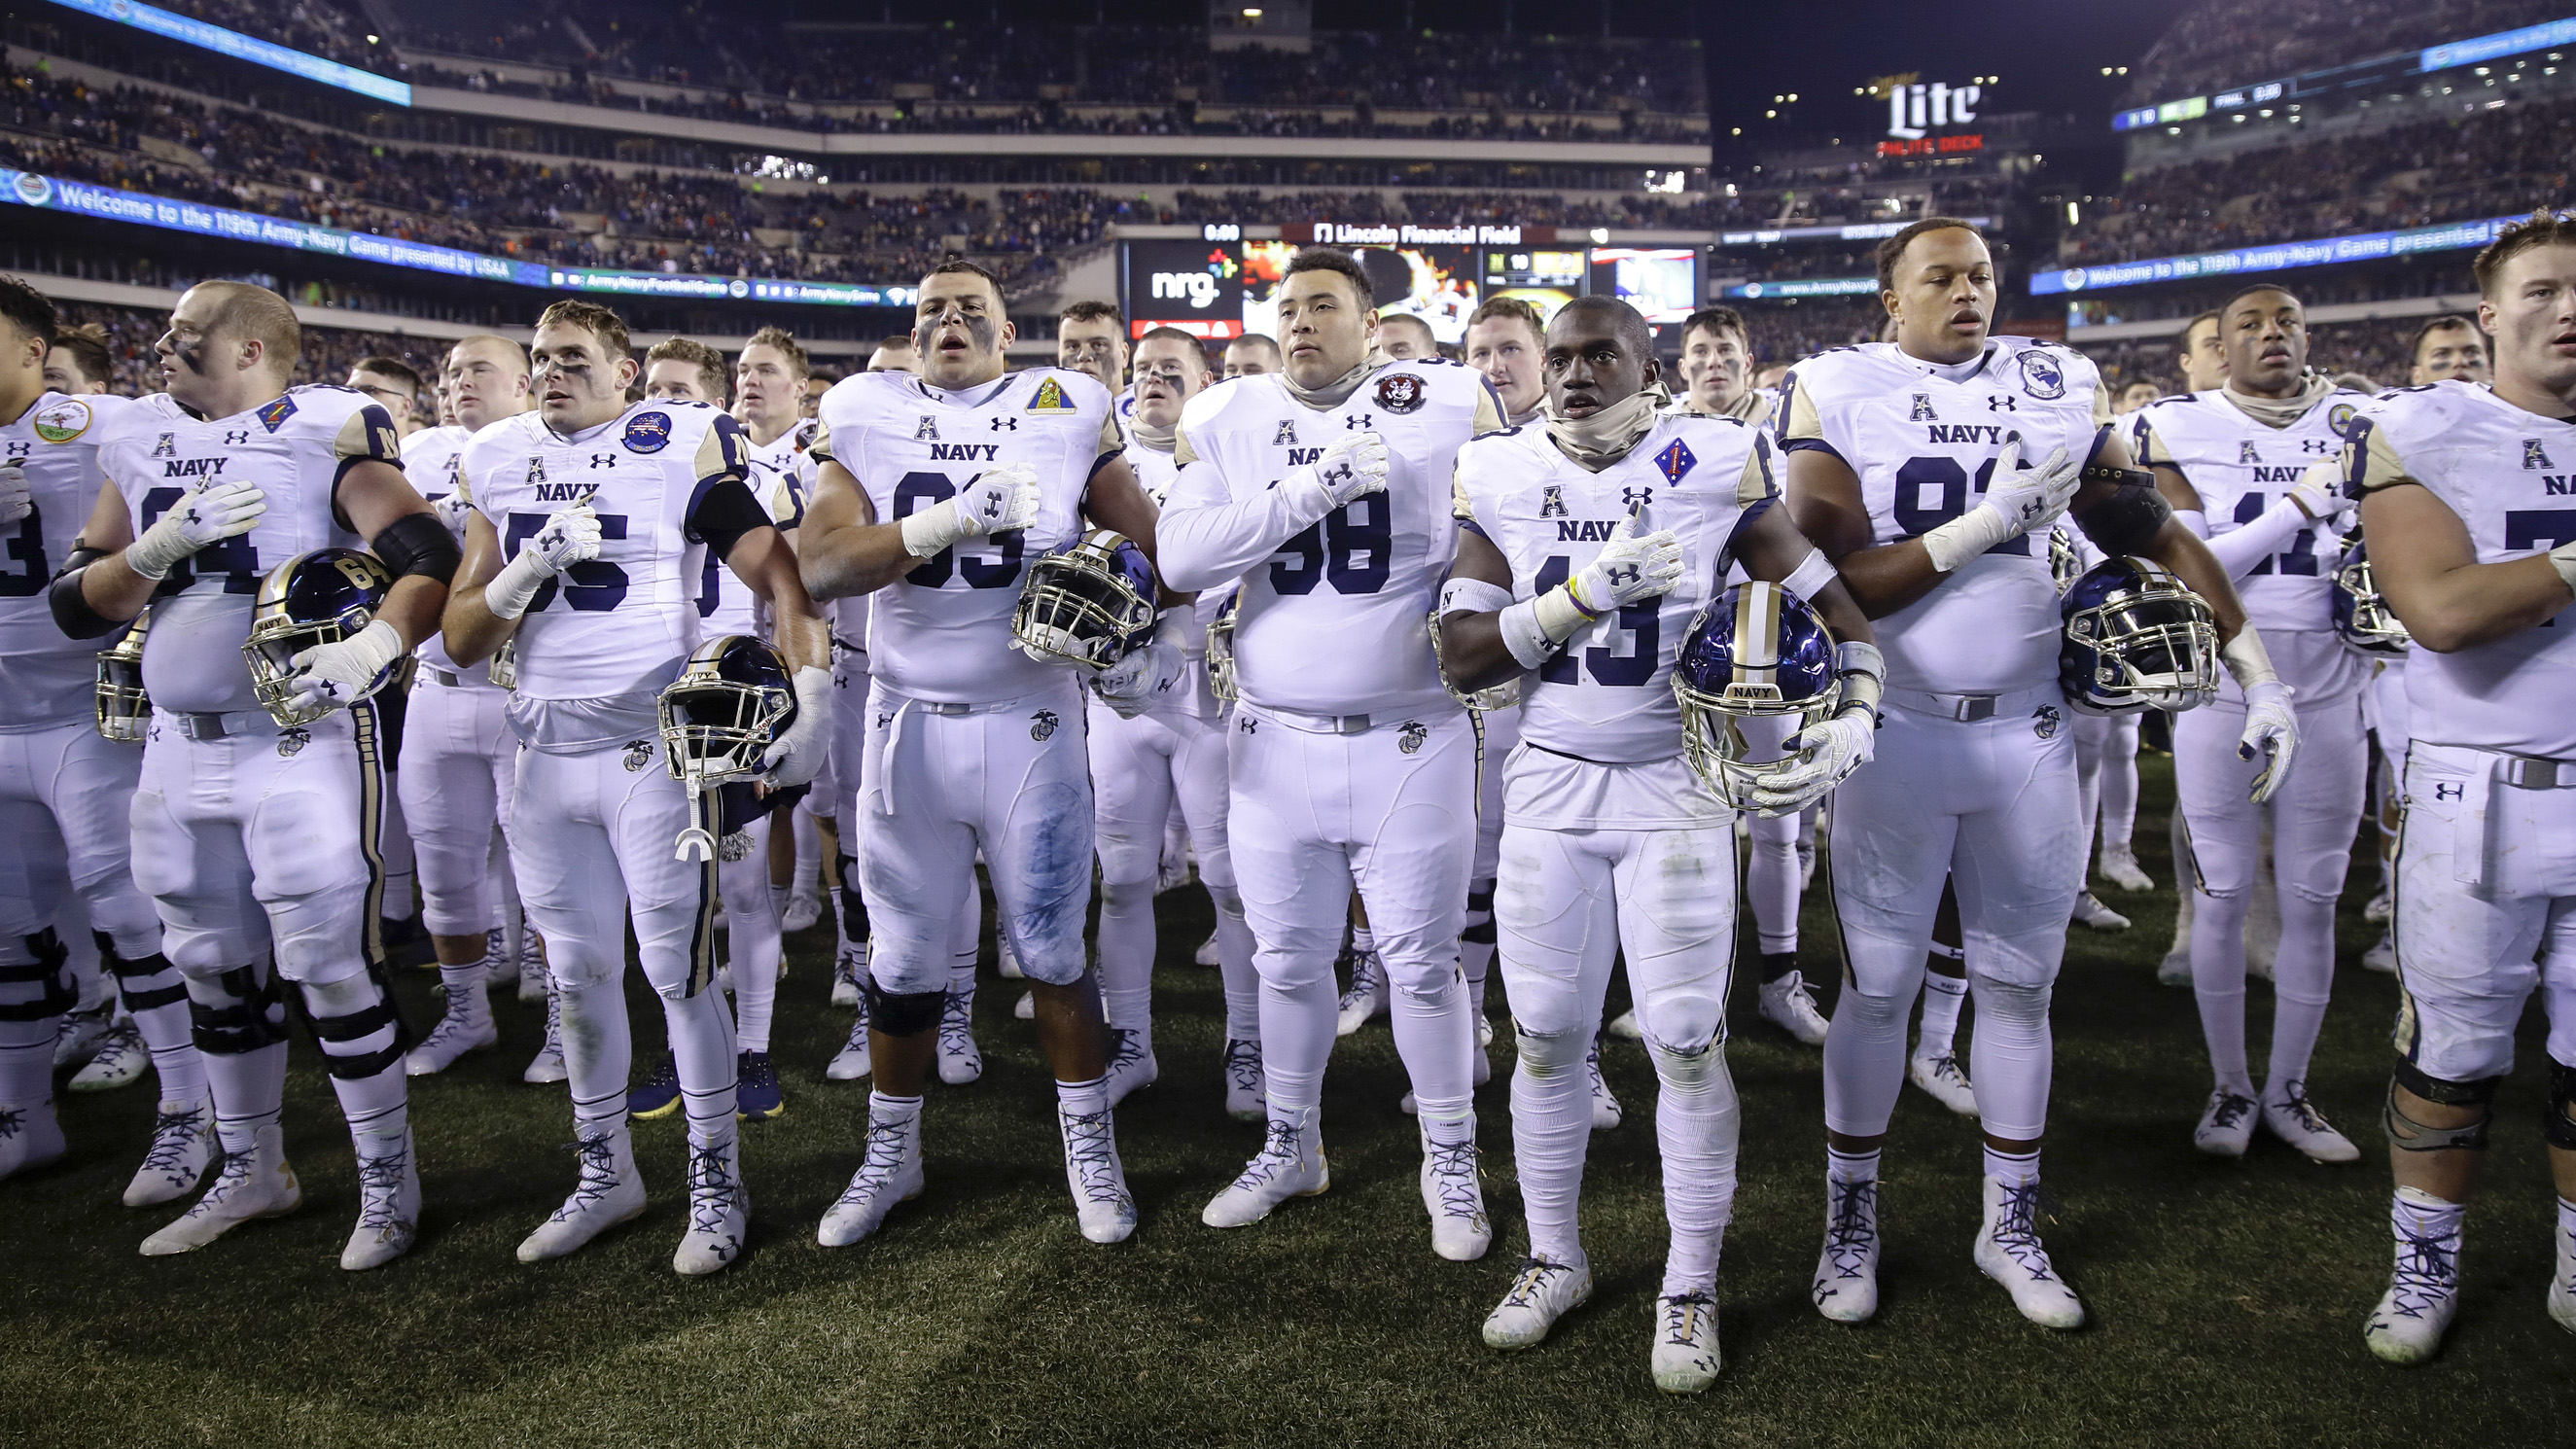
(2001,403)
(1621,575)
(237,439)
(603,460)
(1249,723)
(2320,445)
(2446,791)
(1360,422)
(1636,498)
(1006,425)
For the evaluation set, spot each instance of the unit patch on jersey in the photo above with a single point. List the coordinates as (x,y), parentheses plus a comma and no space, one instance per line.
(1409,739)
(648,432)
(1676,459)
(1043,723)
(1050,399)
(2340,416)
(2045,720)
(63,421)
(1286,437)
(2041,377)
(1400,392)
(274,415)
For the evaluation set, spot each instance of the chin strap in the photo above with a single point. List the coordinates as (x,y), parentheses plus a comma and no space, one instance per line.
(697,843)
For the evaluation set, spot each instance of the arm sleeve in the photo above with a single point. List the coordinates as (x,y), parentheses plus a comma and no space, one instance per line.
(2240,550)
(722,513)
(1202,540)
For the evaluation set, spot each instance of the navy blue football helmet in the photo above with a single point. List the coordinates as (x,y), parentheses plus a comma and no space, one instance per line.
(1220,650)
(312,599)
(730,703)
(1756,651)
(2362,618)
(1087,602)
(2136,636)
(123,710)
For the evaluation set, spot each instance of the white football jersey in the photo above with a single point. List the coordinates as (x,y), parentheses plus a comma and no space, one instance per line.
(44,677)
(726,605)
(612,631)
(2511,477)
(1155,471)
(429,459)
(1923,440)
(1609,696)
(295,447)
(942,632)
(1337,621)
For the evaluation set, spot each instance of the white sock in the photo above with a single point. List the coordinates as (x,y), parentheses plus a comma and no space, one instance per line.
(249,1092)
(2218,983)
(598,1051)
(2415,1215)
(2302,980)
(1083,1099)
(1865,1060)
(1841,1166)
(374,1104)
(2012,1058)
(1551,1130)
(702,1049)
(1697,1122)
(1297,1033)
(27,1062)
(1234,965)
(1942,998)
(900,1113)
(1363,941)
(2015,1169)
(1126,954)
(809,851)
(1435,1039)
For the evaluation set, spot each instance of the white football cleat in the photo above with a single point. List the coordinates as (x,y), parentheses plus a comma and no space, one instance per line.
(1788,1005)
(1367,996)
(2290,1116)
(1006,962)
(2090,912)
(1846,1283)
(2226,1125)
(1541,1293)
(535,982)
(1455,1198)
(2382,958)
(719,1209)
(1101,1203)
(388,1209)
(846,970)
(2009,1251)
(1131,1064)
(1605,1108)
(1206,953)
(960,1060)
(2382,908)
(610,1191)
(77,1039)
(1289,1164)
(1172,874)
(1945,1079)
(466,1026)
(1246,1087)
(1685,1359)
(2562,1282)
(804,908)
(548,1064)
(1624,1026)
(2423,1294)
(2175,969)
(120,1061)
(253,1184)
(1026,1008)
(30,1136)
(2120,868)
(890,1173)
(851,1063)
(183,1147)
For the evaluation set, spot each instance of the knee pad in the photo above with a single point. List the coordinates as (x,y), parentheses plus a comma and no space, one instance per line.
(1553,1053)
(903,1013)
(1127,895)
(2011,1000)
(135,975)
(1684,1025)
(2559,1126)
(350,1010)
(1686,1068)
(1480,916)
(249,1013)
(54,994)
(2408,1135)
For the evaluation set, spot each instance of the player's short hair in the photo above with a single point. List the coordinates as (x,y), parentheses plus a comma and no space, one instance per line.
(1091,309)
(2355,382)
(799,366)
(87,344)
(1340,263)
(2447,322)
(1892,250)
(1262,340)
(901,341)
(393,367)
(1629,322)
(2543,229)
(257,312)
(2241,293)
(1716,320)
(29,311)
(1171,334)
(959,264)
(1394,317)
(518,355)
(2182,339)
(824,375)
(600,322)
(709,363)
(1500,309)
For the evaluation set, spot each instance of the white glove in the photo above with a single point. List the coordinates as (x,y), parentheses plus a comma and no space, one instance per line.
(1633,565)
(570,536)
(1354,467)
(222,511)
(1820,757)
(2319,494)
(329,676)
(2271,728)
(452,510)
(17,496)
(2018,500)
(797,756)
(1142,680)
(997,500)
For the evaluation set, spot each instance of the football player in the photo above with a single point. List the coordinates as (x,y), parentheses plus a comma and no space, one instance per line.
(1251,355)
(1091,338)
(1404,337)
(930,493)
(1717,358)
(895,354)
(257,840)
(1323,488)
(2245,466)
(66,794)
(683,369)
(460,761)
(1907,466)
(2461,505)
(394,385)
(2201,353)
(1505,338)
(1613,843)
(2133,396)
(584,549)
(80,365)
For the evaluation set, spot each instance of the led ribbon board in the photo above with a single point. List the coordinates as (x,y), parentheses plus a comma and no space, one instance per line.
(2279,256)
(189,31)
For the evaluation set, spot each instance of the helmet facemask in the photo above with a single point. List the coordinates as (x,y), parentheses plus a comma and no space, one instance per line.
(322,597)
(1087,604)
(123,711)
(717,728)
(2146,641)
(1757,652)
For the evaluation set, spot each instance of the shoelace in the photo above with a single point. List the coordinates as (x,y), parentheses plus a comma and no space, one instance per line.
(1945,1068)
(598,1176)
(1453,1173)
(2017,1230)
(1851,1229)
(1682,1318)
(451,1024)
(1243,1066)
(231,1172)
(1278,1154)
(172,1135)
(2428,1271)
(380,1181)
(122,1037)
(1123,1050)
(711,1189)
(956,1024)
(858,1032)
(2304,1112)
(883,1159)
(1530,1283)
(1091,1146)
(2231,1109)
(10,1122)
(1364,983)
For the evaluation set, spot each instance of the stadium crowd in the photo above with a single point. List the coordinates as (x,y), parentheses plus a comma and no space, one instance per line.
(2220,42)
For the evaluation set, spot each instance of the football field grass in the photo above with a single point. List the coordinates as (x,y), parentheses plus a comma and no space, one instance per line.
(2226,1297)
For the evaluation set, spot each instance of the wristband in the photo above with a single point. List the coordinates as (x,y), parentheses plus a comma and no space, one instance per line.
(1524,636)
(2563,559)
(2247,660)
(932,529)
(1966,536)
(1473,596)
(1560,614)
(1862,671)
(1812,574)
(516,585)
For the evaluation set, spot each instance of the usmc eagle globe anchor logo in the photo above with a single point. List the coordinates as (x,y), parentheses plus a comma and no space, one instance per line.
(1043,723)
(1409,739)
